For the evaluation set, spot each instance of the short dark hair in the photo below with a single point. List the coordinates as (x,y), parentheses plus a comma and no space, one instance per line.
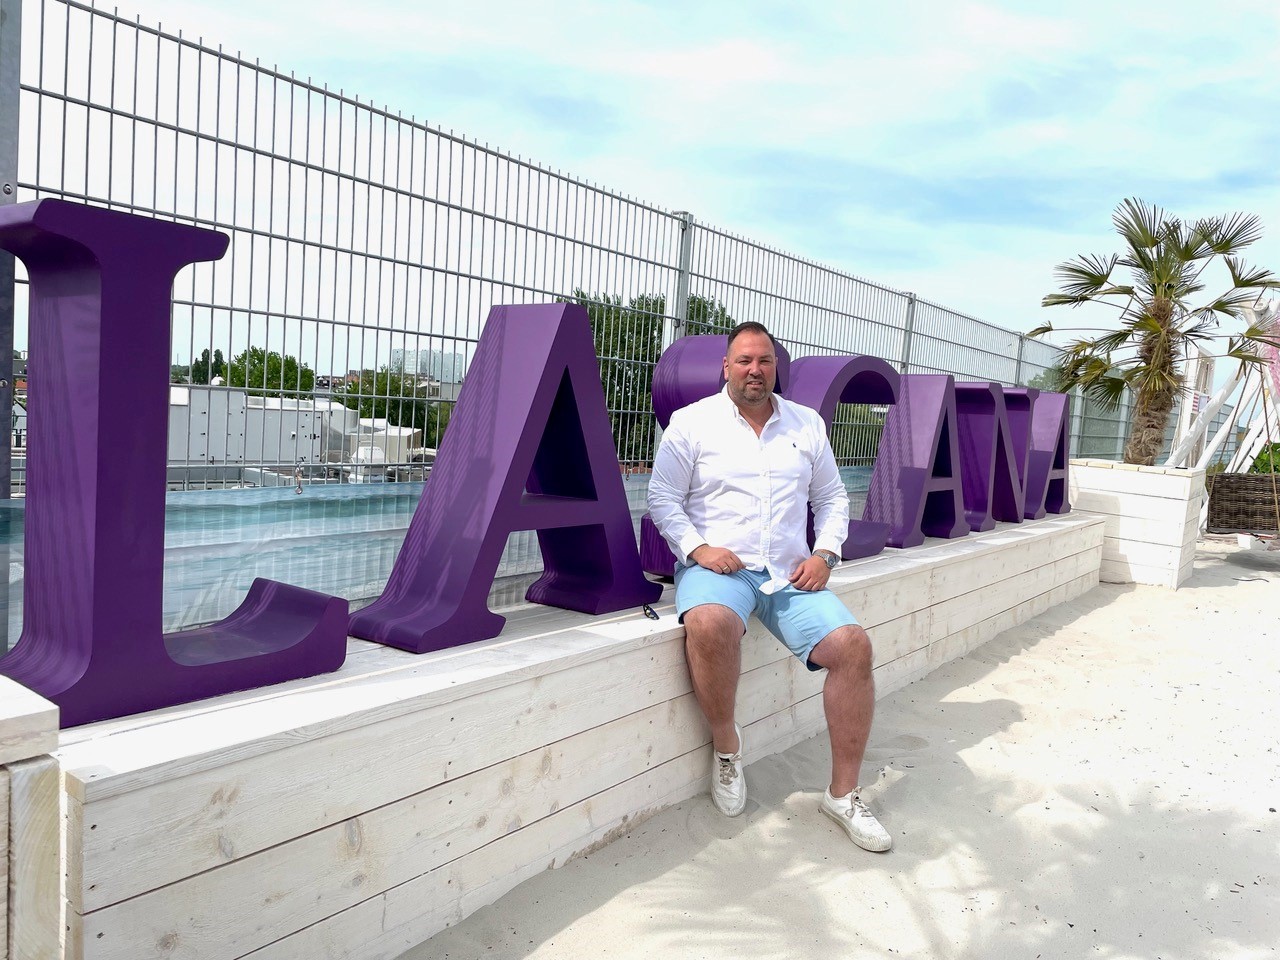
(748,326)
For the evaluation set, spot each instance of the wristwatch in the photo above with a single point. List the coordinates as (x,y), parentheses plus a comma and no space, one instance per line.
(827,557)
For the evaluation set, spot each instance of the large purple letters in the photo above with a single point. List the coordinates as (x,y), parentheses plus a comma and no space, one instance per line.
(92,640)
(824,382)
(528,448)
(916,487)
(988,461)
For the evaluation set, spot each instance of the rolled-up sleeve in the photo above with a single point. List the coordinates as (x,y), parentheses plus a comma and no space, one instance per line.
(669,489)
(828,497)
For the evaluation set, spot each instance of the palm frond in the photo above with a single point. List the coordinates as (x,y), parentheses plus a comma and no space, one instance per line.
(1109,342)
(1140,223)
(1233,233)
(1229,304)
(1264,332)
(1058,299)
(1086,275)
(1250,277)
(1044,328)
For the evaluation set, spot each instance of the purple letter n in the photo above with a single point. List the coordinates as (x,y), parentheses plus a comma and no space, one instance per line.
(92,640)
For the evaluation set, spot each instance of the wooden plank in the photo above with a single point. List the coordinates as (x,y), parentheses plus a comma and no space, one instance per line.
(234,811)
(28,723)
(1122,571)
(4,863)
(98,765)
(963,611)
(252,901)
(1177,512)
(1145,554)
(1173,486)
(35,854)
(385,926)
(1150,531)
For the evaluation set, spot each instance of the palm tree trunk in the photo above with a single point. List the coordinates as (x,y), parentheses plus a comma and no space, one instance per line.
(1151,415)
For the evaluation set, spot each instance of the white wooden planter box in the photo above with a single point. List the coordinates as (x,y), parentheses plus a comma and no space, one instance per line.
(356,814)
(1152,518)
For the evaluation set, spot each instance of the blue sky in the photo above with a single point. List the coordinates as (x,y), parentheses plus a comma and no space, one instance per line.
(957,150)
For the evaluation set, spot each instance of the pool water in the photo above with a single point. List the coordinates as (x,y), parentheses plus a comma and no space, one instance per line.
(339,539)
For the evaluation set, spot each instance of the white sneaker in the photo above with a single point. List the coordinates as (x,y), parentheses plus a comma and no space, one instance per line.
(858,822)
(728,784)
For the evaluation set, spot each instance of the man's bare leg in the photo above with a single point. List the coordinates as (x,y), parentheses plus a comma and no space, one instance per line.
(713,648)
(848,699)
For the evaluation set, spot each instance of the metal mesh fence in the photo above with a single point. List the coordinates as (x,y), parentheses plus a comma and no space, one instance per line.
(330,343)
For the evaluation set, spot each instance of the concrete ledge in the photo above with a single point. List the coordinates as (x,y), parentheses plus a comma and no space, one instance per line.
(357,814)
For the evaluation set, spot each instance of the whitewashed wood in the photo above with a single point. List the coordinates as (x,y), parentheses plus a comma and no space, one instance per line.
(1143,554)
(35,868)
(28,723)
(962,612)
(4,863)
(1152,531)
(1123,571)
(1054,535)
(1173,511)
(125,758)
(1177,486)
(385,926)
(278,891)
(234,811)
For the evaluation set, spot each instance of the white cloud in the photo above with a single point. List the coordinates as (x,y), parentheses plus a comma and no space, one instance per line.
(1023,123)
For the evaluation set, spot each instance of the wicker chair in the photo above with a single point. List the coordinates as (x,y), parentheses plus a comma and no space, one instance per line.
(1243,503)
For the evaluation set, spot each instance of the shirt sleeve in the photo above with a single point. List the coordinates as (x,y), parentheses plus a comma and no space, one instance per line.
(827,496)
(669,489)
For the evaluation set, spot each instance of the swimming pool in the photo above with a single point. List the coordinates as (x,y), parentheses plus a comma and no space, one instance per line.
(339,539)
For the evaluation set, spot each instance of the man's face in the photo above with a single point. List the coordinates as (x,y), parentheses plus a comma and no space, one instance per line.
(750,369)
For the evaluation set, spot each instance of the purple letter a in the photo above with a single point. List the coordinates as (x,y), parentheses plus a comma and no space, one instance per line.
(528,448)
(92,640)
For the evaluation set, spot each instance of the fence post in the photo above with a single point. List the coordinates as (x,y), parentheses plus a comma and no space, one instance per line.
(907,328)
(1017,369)
(680,309)
(10,58)
(10,53)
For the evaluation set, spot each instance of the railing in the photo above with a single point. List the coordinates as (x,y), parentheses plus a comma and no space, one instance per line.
(367,247)
(329,344)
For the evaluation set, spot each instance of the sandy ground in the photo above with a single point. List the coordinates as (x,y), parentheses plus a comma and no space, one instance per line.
(1100,782)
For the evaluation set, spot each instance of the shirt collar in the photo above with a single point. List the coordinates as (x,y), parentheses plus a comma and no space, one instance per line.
(775,401)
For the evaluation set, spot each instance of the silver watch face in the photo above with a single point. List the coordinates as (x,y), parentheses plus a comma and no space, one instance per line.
(829,559)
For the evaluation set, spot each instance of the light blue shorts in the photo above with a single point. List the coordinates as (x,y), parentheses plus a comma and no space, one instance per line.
(799,618)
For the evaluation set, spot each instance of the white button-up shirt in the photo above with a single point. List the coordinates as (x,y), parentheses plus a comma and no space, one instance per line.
(715,482)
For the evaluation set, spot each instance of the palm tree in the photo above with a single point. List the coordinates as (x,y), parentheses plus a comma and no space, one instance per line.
(1157,323)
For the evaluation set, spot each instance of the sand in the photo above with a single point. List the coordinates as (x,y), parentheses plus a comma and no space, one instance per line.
(1100,782)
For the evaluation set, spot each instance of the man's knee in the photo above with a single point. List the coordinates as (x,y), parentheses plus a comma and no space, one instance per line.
(845,648)
(711,623)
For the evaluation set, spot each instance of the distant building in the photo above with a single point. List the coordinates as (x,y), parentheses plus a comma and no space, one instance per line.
(436,364)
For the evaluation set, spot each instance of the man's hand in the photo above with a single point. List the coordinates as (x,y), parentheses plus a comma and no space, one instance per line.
(716,559)
(811,575)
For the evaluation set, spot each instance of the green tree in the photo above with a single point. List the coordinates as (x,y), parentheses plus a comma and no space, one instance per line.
(400,399)
(628,342)
(267,374)
(206,368)
(1157,320)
